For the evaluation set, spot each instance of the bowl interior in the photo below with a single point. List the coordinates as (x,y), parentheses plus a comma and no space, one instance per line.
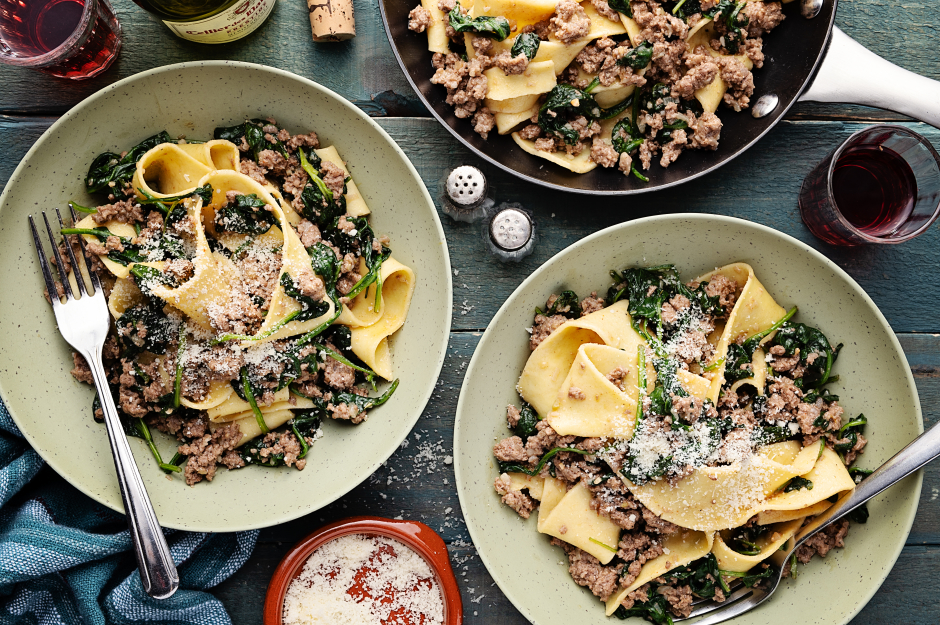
(874,379)
(53,410)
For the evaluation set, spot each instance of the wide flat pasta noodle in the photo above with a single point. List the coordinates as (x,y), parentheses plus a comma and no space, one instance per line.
(573,521)
(248,425)
(769,543)
(166,170)
(215,154)
(235,405)
(295,259)
(355,203)
(829,477)
(212,278)
(537,78)
(219,391)
(680,549)
(548,366)
(753,312)
(124,295)
(370,342)
(588,403)
(553,491)
(524,12)
(521,481)
(716,498)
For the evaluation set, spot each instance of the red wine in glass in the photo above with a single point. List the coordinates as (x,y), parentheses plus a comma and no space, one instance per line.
(882,185)
(57,37)
(874,188)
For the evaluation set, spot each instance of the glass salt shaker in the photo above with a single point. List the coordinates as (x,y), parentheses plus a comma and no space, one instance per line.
(465,196)
(509,232)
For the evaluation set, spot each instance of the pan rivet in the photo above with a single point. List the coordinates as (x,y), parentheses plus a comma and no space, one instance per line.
(509,232)
(810,8)
(764,105)
(466,194)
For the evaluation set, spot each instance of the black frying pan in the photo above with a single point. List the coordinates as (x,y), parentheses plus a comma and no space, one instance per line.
(796,51)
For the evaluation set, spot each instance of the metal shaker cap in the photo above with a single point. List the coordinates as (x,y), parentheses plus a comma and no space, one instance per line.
(510,229)
(466,186)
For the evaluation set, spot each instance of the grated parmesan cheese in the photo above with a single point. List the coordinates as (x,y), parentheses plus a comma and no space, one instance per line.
(364,580)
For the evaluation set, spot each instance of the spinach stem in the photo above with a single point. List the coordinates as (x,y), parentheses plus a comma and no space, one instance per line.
(604,545)
(256,337)
(250,396)
(82,209)
(335,355)
(776,326)
(641,387)
(304,447)
(178,383)
(314,177)
(675,10)
(145,433)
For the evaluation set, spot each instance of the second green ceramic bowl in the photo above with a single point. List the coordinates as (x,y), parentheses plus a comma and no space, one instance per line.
(874,379)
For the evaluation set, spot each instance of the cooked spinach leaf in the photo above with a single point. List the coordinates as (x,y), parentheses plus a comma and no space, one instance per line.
(621,6)
(130,254)
(808,340)
(110,171)
(849,433)
(797,483)
(144,328)
(528,420)
(510,467)
(638,57)
(484,25)
(561,104)
(252,131)
(309,308)
(527,44)
(245,214)
(567,304)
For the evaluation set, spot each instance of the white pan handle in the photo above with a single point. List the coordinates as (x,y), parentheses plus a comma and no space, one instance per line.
(850,73)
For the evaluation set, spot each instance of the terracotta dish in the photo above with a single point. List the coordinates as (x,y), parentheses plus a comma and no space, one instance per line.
(417,536)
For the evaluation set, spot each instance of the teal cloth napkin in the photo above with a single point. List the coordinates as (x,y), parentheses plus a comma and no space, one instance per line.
(67,559)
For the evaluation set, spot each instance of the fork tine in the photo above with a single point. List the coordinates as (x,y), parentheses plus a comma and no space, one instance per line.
(44,264)
(81,243)
(58,259)
(76,269)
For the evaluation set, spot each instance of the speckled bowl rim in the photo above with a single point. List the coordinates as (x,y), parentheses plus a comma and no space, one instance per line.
(438,233)
(463,485)
(416,535)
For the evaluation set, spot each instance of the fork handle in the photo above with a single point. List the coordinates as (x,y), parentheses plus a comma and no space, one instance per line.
(157,569)
(918,453)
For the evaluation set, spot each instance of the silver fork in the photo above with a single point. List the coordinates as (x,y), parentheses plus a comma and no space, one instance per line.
(84,322)
(918,453)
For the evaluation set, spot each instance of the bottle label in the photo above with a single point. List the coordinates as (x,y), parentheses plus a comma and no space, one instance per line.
(233,23)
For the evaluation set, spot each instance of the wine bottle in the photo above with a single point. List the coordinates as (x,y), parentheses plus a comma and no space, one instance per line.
(210,21)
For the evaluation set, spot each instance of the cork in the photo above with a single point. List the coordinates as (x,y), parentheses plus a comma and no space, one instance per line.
(332,20)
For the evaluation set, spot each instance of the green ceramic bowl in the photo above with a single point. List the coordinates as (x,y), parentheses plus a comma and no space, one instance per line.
(874,379)
(54,411)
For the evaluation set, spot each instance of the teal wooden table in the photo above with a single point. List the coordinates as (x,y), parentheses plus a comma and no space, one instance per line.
(417,482)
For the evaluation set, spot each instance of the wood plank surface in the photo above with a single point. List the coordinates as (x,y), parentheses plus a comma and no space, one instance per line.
(417,482)
(364,69)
